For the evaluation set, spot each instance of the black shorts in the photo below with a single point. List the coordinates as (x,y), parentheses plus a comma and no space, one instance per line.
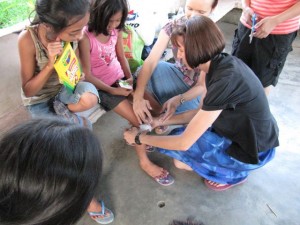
(109,101)
(266,57)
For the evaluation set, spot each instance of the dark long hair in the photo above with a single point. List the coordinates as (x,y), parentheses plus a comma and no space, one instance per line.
(102,11)
(49,172)
(60,14)
(203,40)
(214,5)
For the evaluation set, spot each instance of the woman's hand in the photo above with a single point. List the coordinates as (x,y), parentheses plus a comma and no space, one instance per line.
(169,107)
(142,109)
(129,135)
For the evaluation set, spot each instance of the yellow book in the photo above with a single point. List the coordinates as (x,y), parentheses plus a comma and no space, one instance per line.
(68,68)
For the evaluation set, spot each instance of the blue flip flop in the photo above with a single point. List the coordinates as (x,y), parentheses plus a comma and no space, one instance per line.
(104,217)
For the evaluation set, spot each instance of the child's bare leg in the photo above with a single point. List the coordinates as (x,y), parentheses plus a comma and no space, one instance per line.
(156,107)
(125,110)
(87,101)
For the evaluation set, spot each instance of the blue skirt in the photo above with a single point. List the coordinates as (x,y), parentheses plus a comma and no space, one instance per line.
(208,158)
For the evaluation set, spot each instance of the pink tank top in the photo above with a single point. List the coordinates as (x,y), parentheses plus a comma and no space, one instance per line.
(104,63)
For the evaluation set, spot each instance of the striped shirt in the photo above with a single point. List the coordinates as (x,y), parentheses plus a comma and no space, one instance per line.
(267,8)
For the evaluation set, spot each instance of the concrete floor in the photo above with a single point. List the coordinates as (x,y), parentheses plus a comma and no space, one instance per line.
(270,196)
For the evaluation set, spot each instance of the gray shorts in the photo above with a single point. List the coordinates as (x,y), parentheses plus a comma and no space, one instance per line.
(82,87)
(109,101)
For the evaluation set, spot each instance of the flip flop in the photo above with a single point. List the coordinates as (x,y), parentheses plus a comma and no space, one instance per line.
(164,179)
(150,148)
(62,110)
(216,186)
(165,130)
(104,217)
(161,129)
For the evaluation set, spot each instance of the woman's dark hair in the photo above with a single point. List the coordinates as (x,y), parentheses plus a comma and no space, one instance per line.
(49,173)
(102,11)
(60,14)
(214,5)
(203,40)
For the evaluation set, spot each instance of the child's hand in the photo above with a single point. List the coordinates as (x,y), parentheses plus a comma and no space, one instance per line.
(54,50)
(130,81)
(169,107)
(82,77)
(121,91)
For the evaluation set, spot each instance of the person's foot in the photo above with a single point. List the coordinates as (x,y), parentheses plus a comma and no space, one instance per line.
(220,187)
(100,213)
(62,110)
(160,175)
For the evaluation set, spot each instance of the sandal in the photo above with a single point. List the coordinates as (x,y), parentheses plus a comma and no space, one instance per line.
(150,148)
(62,110)
(104,217)
(161,129)
(164,179)
(220,187)
(165,130)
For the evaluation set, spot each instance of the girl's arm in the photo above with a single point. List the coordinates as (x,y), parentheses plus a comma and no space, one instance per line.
(85,59)
(197,126)
(140,105)
(121,56)
(31,84)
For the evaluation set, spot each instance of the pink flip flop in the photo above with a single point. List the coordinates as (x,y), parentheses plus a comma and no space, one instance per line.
(164,179)
(220,187)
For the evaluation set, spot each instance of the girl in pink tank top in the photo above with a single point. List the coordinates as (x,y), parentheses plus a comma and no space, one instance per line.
(104,63)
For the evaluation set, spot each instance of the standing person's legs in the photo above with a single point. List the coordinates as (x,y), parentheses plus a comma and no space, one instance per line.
(266,57)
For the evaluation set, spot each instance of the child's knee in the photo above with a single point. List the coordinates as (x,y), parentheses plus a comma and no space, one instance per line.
(89,100)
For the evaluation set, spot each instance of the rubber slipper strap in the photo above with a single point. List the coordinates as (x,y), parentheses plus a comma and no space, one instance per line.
(103,207)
